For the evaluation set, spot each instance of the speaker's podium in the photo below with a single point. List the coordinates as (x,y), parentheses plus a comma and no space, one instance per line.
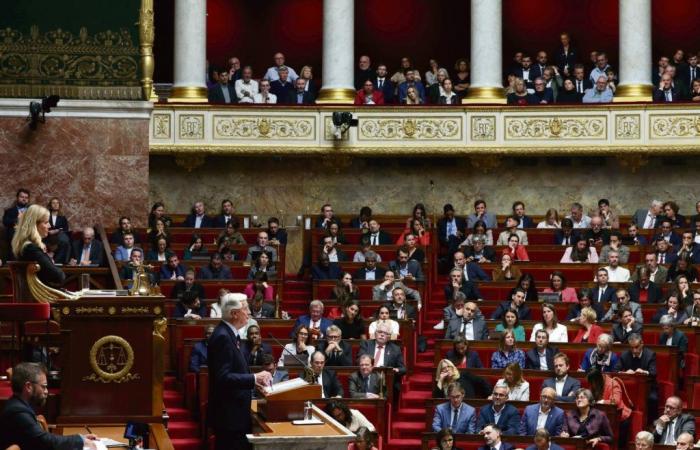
(278,426)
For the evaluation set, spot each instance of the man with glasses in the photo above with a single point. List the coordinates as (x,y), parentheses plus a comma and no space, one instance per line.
(667,233)
(657,274)
(338,352)
(622,299)
(673,423)
(18,421)
(469,326)
(543,94)
(543,415)
(385,353)
(500,412)
(455,414)
(330,386)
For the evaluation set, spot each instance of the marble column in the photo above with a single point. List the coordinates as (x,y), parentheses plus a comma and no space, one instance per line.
(486,53)
(635,51)
(338,52)
(190,51)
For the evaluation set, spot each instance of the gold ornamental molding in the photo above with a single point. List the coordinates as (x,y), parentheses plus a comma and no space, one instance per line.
(557,127)
(111,359)
(267,127)
(674,126)
(414,128)
(146,39)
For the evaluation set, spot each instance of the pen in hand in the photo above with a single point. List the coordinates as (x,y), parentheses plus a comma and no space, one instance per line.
(88,429)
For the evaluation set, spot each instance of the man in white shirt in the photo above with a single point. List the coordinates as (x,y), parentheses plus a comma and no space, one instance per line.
(264,96)
(647,218)
(579,219)
(564,386)
(672,423)
(616,274)
(272,73)
(246,87)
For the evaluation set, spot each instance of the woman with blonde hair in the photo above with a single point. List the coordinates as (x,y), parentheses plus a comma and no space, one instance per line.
(551,219)
(445,374)
(27,245)
(306,73)
(513,378)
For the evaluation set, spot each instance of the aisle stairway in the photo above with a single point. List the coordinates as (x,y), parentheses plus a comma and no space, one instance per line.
(183,429)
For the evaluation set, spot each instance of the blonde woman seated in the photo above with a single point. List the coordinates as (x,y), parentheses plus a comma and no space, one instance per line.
(513,378)
(580,253)
(551,220)
(445,374)
(383,317)
(557,332)
(507,271)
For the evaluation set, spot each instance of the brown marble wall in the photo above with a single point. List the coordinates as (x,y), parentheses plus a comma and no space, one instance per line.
(98,167)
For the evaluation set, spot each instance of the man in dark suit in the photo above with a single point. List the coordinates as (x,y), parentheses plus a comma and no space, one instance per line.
(525,71)
(492,438)
(254,348)
(260,309)
(226,214)
(455,414)
(519,212)
(555,415)
(566,236)
(216,270)
(565,56)
(173,270)
(640,360)
(283,86)
(471,270)
(666,93)
(277,235)
(406,269)
(509,418)
(325,270)
(643,290)
(223,92)
(88,251)
(363,72)
(338,351)
(541,357)
(469,326)
(543,441)
(540,64)
(12,214)
(377,236)
(664,252)
(398,308)
(18,421)
(184,287)
(646,218)
(667,233)
(451,229)
(580,80)
(517,303)
(198,217)
(330,386)
(198,357)
(690,72)
(673,422)
(364,383)
(672,337)
(543,95)
(468,288)
(383,84)
(564,385)
(603,292)
(370,271)
(385,353)
(230,381)
(314,320)
(299,95)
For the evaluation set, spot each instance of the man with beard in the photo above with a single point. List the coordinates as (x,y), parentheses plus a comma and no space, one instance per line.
(11,217)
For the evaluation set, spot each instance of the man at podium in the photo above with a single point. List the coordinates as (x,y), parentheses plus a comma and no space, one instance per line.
(231,383)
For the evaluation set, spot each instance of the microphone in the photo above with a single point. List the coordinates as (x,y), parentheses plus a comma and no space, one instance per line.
(308,373)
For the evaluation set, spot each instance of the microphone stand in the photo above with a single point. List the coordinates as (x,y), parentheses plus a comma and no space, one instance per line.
(309,375)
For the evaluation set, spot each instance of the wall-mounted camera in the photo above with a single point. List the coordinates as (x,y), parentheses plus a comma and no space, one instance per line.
(342,121)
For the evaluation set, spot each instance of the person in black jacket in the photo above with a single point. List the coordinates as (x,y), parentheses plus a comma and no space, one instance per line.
(12,215)
(35,223)
(183,288)
(18,421)
(338,351)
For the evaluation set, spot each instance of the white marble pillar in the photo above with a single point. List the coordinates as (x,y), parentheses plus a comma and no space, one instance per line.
(190,51)
(338,52)
(635,51)
(486,52)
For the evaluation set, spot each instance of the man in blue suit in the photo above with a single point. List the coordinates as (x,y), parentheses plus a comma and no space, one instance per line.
(471,270)
(564,385)
(509,419)
(230,382)
(314,320)
(455,414)
(492,438)
(543,442)
(554,421)
(603,293)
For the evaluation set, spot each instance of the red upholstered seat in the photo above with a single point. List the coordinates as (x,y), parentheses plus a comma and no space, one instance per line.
(20,312)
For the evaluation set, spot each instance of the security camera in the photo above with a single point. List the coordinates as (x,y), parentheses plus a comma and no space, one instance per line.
(342,121)
(38,110)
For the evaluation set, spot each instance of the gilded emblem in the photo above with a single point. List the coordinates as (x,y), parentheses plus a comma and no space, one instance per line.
(65,310)
(112,310)
(555,127)
(111,359)
(697,125)
(264,127)
(409,128)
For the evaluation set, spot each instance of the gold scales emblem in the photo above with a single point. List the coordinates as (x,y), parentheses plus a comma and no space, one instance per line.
(111,359)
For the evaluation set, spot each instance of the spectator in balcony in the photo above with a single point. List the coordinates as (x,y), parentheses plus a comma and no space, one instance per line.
(556,332)
(431,76)
(543,95)
(660,69)
(507,352)
(273,73)
(461,80)
(383,317)
(612,80)
(516,250)
(299,95)
(601,67)
(512,227)
(695,90)
(435,89)
(581,252)
(540,65)
(615,244)
(448,96)
(581,82)
(587,422)
(283,86)
(412,97)
(306,74)
(324,269)
(246,88)
(234,69)
(259,285)
(511,322)
(363,72)
(551,220)
(526,72)
(461,356)
(589,331)
(223,91)
(553,81)
(455,414)
(520,96)
(300,345)
(367,95)
(384,290)
(411,82)
(383,84)
(600,93)
(265,96)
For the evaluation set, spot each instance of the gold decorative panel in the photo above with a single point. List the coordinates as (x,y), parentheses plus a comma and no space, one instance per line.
(264,127)
(191,126)
(628,126)
(413,128)
(556,127)
(161,126)
(674,126)
(483,128)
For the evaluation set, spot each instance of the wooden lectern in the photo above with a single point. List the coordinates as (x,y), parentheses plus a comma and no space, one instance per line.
(287,405)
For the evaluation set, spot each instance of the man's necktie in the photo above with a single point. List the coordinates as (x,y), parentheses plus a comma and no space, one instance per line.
(455,416)
(670,438)
(378,355)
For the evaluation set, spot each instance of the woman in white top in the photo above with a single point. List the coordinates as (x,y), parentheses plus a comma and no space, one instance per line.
(299,347)
(350,418)
(557,332)
(513,378)
(383,317)
(264,96)
(479,229)
(551,220)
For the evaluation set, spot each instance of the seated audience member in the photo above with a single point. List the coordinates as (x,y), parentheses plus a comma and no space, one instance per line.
(361,222)
(457,284)
(384,290)
(216,308)
(370,270)
(685,441)
(647,218)
(451,229)
(640,360)
(541,357)
(413,97)
(160,231)
(398,308)
(230,235)
(543,95)
(277,235)
(461,78)
(512,224)
(670,209)
(493,439)
(365,383)
(609,217)
(507,352)
(666,92)
(338,351)
(615,245)
(306,74)
(600,93)
(622,300)
(564,385)
(190,307)
(253,348)
(405,268)
(695,90)
(479,230)
(223,91)
(524,221)
(324,269)
(351,324)
(551,220)
(198,357)
(644,441)
(386,353)
(416,228)
(673,422)
(566,236)
(518,388)
(455,414)
(344,290)
(468,326)
(300,346)
(259,286)
(611,390)
(585,300)
(127,271)
(664,252)
(568,94)
(198,217)
(434,83)
(616,273)
(666,233)
(259,309)
(330,385)
(246,87)
(414,251)
(508,416)
(314,320)
(520,96)
(263,265)
(365,247)
(384,317)
(351,419)
(526,282)
(510,322)
(586,421)
(626,326)
(187,286)
(601,356)
(557,285)
(269,365)
(516,303)
(688,249)
(299,95)
(123,251)
(260,247)
(226,216)
(283,86)
(578,218)
(327,217)
(543,416)
(377,236)
(656,273)
(673,309)
(479,252)
(480,213)
(515,249)
(454,310)
(158,213)
(633,237)
(580,252)
(507,271)
(693,310)
(683,269)
(589,331)
(383,84)
(265,96)
(411,82)
(215,270)
(597,234)
(364,440)
(445,374)
(556,332)
(461,356)
(470,268)
(196,249)
(368,95)
(173,270)
(88,251)
(160,253)
(117,237)
(447,95)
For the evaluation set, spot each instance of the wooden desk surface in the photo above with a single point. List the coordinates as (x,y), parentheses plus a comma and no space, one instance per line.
(289,429)
(111,432)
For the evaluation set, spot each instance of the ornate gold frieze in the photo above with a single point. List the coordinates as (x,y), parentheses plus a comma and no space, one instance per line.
(674,126)
(135,310)
(191,126)
(483,128)
(413,128)
(162,126)
(265,127)
(628,126)
(556,127)
(89,310)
